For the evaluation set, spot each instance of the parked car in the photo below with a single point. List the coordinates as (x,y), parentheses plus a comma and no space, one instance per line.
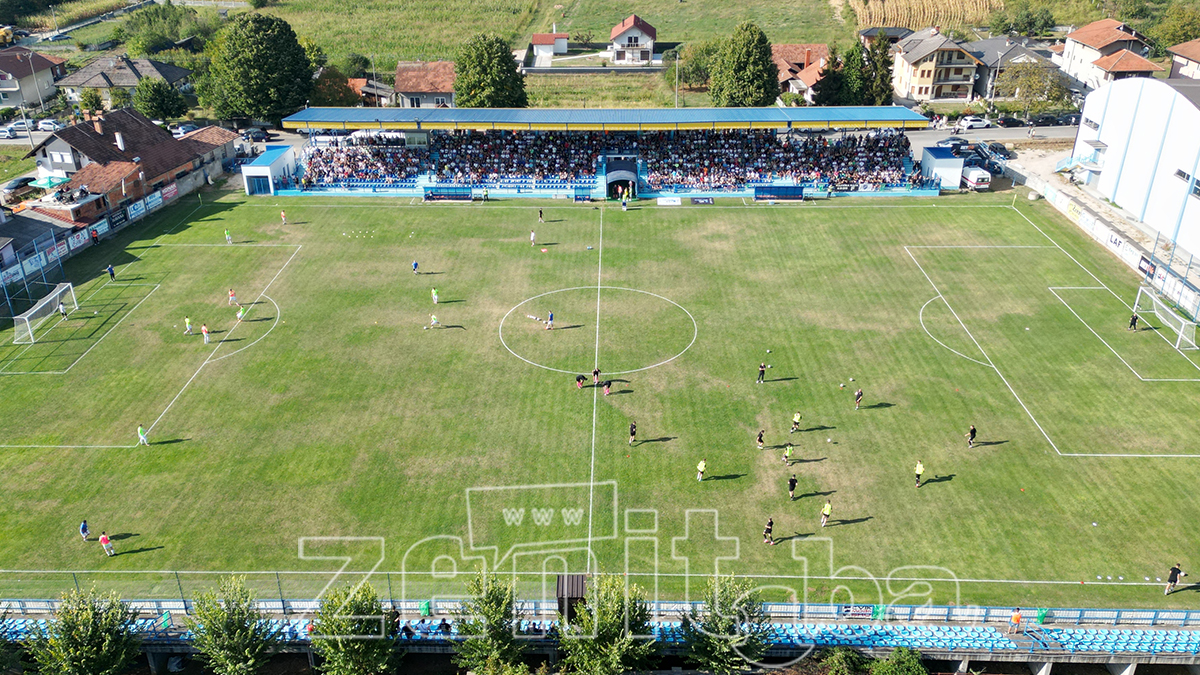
(21,33)
(13,186)
(6,132)
(254,134)
(19,125)
(1008,122)
(1069,120)
(1044,120)
(183,129)
(952,142)
(50,125)
(973,122)
(56,37)
(1001,150)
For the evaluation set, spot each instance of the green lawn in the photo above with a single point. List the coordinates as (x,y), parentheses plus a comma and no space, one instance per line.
(638,90)
(331,412)
(11,162)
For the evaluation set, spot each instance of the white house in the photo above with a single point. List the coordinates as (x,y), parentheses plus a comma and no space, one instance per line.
(1137,146)
(633,41)
(109,74)
(549,44)
(27,77)
(425,84)
(1104,51)
(1185,60)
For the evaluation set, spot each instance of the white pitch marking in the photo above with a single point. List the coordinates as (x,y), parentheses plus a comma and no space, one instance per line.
(921,318)
(595,393)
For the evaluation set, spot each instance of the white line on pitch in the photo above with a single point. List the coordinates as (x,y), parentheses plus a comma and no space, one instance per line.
(979,246)
(595,394)
(982,351)
(223,339)
(921,318)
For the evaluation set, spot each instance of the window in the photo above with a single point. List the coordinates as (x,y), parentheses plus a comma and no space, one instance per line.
(439,100)
(3,96)
(958,71)
(1090,124)
(1183,175)
(414,101)
(631,41)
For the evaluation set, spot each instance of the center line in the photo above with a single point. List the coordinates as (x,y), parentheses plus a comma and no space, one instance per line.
(595,394)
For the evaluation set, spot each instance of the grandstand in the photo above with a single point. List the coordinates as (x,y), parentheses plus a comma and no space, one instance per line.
(593,154)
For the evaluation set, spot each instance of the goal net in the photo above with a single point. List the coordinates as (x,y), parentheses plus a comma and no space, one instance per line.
(26,324)
(1176,329)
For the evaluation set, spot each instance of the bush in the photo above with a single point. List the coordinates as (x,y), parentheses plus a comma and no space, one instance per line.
(258,4)
(902,661)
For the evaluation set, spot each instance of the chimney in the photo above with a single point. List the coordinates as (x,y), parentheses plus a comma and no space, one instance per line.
(99,124)
(807,57)
(120,141)
(554,27)
(936,30)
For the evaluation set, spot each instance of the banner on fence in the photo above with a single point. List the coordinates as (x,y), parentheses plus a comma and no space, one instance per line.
(137,209)
(116,218)
(701,200)
(78,240)
(100,226)
(11,275)
(34,263)
(1146,267)
(59,251)
(670,201)
(170,192)
(154,200)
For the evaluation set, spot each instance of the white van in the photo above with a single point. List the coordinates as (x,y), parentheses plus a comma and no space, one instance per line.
(974,178)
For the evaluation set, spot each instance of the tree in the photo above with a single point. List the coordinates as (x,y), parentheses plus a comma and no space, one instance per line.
(830,89)
(843,661)
(314,52)
(355,65)
(854,69)
(332,89)
(490,618)
(743,73)
(879,72)
(1036,86)
(119,98)
(10,652)
(90,633)
(147,43)
(728,633)
(902,661)
(1180,23)
(90,99)
(259,68)
(349,635)
(601,641)
(584,38)
(232,635)
(697,60)
(158,100)
(486,75)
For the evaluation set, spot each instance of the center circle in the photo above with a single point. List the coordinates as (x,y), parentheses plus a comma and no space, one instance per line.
(637,330)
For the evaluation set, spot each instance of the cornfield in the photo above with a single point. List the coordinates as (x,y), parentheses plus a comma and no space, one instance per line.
(71,12)
(918,14)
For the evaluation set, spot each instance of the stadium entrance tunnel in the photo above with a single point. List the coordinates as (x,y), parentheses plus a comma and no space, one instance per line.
(621,175)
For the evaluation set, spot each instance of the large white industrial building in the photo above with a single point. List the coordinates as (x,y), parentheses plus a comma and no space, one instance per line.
(1139,146)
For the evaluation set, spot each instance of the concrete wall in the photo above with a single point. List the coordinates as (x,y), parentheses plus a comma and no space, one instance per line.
(1153,156)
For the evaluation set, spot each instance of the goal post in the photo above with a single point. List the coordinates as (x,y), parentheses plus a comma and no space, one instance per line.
(26,324)
(1179,331)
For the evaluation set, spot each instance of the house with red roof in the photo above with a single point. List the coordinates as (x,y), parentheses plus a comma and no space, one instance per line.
(424,84)
(799,67)
(633,41)
(1104,51)
(1185,60)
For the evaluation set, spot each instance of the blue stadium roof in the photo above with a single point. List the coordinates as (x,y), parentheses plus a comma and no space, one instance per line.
(270,154)
(597,119)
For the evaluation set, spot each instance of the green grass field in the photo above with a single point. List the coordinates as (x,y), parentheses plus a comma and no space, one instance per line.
(331,412)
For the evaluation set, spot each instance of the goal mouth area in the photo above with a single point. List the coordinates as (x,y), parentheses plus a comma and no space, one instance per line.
(1180,331)
(26,323)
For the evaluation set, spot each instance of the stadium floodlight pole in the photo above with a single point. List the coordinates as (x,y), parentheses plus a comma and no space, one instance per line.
(676,79)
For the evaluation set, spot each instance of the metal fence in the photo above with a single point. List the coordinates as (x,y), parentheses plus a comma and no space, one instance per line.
(1177,275)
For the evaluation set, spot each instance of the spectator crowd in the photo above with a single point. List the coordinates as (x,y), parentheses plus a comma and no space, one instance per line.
(688,160)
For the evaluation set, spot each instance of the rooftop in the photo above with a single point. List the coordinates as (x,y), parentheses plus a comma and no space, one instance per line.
(599,119)
(925,42)
(1100,34)
(634,21)
(892,32)
(1125,61)
(105,73)
(998,51)
(102,178)
(144,141)
(435,77)
(1188,50)
(547,38)
(270,155)
(21,62)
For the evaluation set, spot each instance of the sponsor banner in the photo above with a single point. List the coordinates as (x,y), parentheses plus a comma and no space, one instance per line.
(170,192)
(154,200)
(702,200)
(670,201)
(100,227)
(858,611)
(1087,221)
(1146,267)
(34,263)
(137,210)
(11,275)
(116,218)
(78,240)
(59,251)
(1073,211)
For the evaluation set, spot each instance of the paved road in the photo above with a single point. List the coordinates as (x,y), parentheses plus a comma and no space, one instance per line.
(923,139)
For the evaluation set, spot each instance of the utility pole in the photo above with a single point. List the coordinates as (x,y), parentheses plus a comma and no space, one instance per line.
(676,79)
(55,17)
(375,80)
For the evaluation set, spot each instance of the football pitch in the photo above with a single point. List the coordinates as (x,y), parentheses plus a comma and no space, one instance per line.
(332,427)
